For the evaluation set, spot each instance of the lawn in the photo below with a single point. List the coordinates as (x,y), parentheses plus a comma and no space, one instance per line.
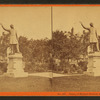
(42,84)
(77,83)
(27,84)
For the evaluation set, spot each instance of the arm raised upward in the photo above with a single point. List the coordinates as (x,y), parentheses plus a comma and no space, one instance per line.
(4,28)
(84,26)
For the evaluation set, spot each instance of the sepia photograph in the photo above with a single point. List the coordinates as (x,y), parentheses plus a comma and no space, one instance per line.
(50,49)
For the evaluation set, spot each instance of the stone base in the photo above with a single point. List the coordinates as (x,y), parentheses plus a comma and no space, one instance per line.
(15,66)
(93,64)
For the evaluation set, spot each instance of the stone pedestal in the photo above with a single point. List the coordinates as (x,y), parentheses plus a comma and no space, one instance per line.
(93,64)
(15,66)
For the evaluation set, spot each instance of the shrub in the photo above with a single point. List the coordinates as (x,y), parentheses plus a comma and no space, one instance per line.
(36,67)
(79,71)
(3,67)
(83,65)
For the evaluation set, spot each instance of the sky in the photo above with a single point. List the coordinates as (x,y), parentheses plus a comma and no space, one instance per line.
(64,18)
(31,22)
(35,22)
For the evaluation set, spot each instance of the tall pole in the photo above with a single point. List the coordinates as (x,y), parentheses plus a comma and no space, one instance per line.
(51,22)
(51,56)
(52,36)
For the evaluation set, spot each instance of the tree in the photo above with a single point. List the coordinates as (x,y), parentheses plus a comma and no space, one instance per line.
(66,47)
(35,51)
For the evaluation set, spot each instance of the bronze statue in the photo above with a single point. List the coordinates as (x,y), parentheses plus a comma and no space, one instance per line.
(14,45)
(93,38)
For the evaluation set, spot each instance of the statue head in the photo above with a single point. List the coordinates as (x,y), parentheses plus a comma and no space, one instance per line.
(12,26)
(91,24)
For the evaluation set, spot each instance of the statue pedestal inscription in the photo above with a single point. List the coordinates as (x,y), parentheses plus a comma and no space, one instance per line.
(93,64)
(15,66)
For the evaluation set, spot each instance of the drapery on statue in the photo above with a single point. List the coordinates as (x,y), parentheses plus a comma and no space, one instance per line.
(14,45)
(93,38)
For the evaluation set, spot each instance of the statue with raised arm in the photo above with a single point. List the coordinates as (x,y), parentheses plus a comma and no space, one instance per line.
(14,45)
(93,38)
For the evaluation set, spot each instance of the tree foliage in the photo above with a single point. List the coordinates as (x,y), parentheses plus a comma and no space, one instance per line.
(68,45)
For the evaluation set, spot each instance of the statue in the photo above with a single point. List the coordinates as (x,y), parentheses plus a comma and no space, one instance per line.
(14,45)
(93,39)
(15,66)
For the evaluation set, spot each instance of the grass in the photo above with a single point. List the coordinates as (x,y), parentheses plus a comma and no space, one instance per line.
(77,83)
(42,84)
(27,84)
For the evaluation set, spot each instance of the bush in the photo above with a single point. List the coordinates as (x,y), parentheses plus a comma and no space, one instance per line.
(67,70)
(79,71)
(83,65)
(36,67)
(3,67)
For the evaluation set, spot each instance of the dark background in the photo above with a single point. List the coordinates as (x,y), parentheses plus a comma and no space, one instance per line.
(49,2)
(49,98)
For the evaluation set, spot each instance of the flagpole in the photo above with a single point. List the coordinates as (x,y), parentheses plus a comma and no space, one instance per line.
(52,35)
(51,76)
(51,22)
